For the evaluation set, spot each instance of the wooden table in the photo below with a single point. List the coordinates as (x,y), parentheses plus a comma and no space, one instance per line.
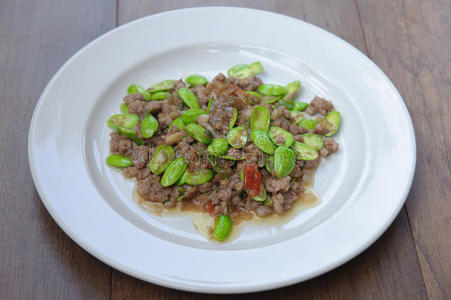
(410,40)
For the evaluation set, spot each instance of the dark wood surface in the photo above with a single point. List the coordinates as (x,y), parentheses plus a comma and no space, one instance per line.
(410,40)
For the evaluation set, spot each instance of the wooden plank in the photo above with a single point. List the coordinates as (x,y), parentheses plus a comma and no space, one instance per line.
(416,55)
(37,260)
(389,269)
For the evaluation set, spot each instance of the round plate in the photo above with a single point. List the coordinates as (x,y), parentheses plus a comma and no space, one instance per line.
(362,186)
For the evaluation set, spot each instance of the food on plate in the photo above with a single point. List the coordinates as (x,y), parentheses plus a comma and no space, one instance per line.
(230,147)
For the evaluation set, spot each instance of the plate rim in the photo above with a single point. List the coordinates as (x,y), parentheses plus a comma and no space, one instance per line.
(207,289)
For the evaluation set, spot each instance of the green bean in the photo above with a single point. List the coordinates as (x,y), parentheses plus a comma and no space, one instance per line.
(237,137)
(136,88)
(272,90)
(234,117)
(300,106)
(188,98)
(304,151)
(308,123)
(161,160)
(177,123)
(190,115)
(123,124)
(163,86)
(194,80)
(280,136)
(199,133)
(244,71)
(313,140)
(157,96)
(174,171)
(149,126)
(219,146)
(284,161)
(124,108)
(198,177)
(293,90)
(333,118)
(223,227)
(261,139)
(119,161)
(210,102)
(260,118)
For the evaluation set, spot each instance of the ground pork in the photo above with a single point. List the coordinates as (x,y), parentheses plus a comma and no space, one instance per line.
(319,105)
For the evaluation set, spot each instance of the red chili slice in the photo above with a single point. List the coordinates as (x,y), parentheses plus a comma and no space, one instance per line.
(252,179)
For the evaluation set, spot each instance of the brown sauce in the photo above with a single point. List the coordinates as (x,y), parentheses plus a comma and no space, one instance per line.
(204,222)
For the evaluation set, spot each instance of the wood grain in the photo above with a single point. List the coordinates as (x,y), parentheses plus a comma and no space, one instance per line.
(388,269)
(416,56)
(37,260)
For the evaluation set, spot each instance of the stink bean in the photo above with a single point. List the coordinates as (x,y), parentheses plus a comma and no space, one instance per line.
(199,133)
(149,126)
(284,161)
(160,161)
(188,98)
(119,161)
(261,139)
(174,171)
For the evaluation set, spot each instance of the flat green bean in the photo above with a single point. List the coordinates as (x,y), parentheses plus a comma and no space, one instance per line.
(223,227)
(164,85)
(136,88)
(234,117)
(333,119)
(174,171)
(190,115)
(292,90)
(162,158)
(313,140)
(188,98)
(260,118)
(244,71)
(194,80)
(300,106)
(261,196)
(304,151)
(261,139)
(124,124)
(219,146)
(199,133)
(308,123)
(284,161)
(119,161)
(177,123)
(124,108)
(198,177)
(280,136)
(157,96)
(237,137)
(272,90)
(149,126)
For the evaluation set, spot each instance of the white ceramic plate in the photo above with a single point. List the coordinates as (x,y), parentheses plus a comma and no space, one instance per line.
(362,187)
